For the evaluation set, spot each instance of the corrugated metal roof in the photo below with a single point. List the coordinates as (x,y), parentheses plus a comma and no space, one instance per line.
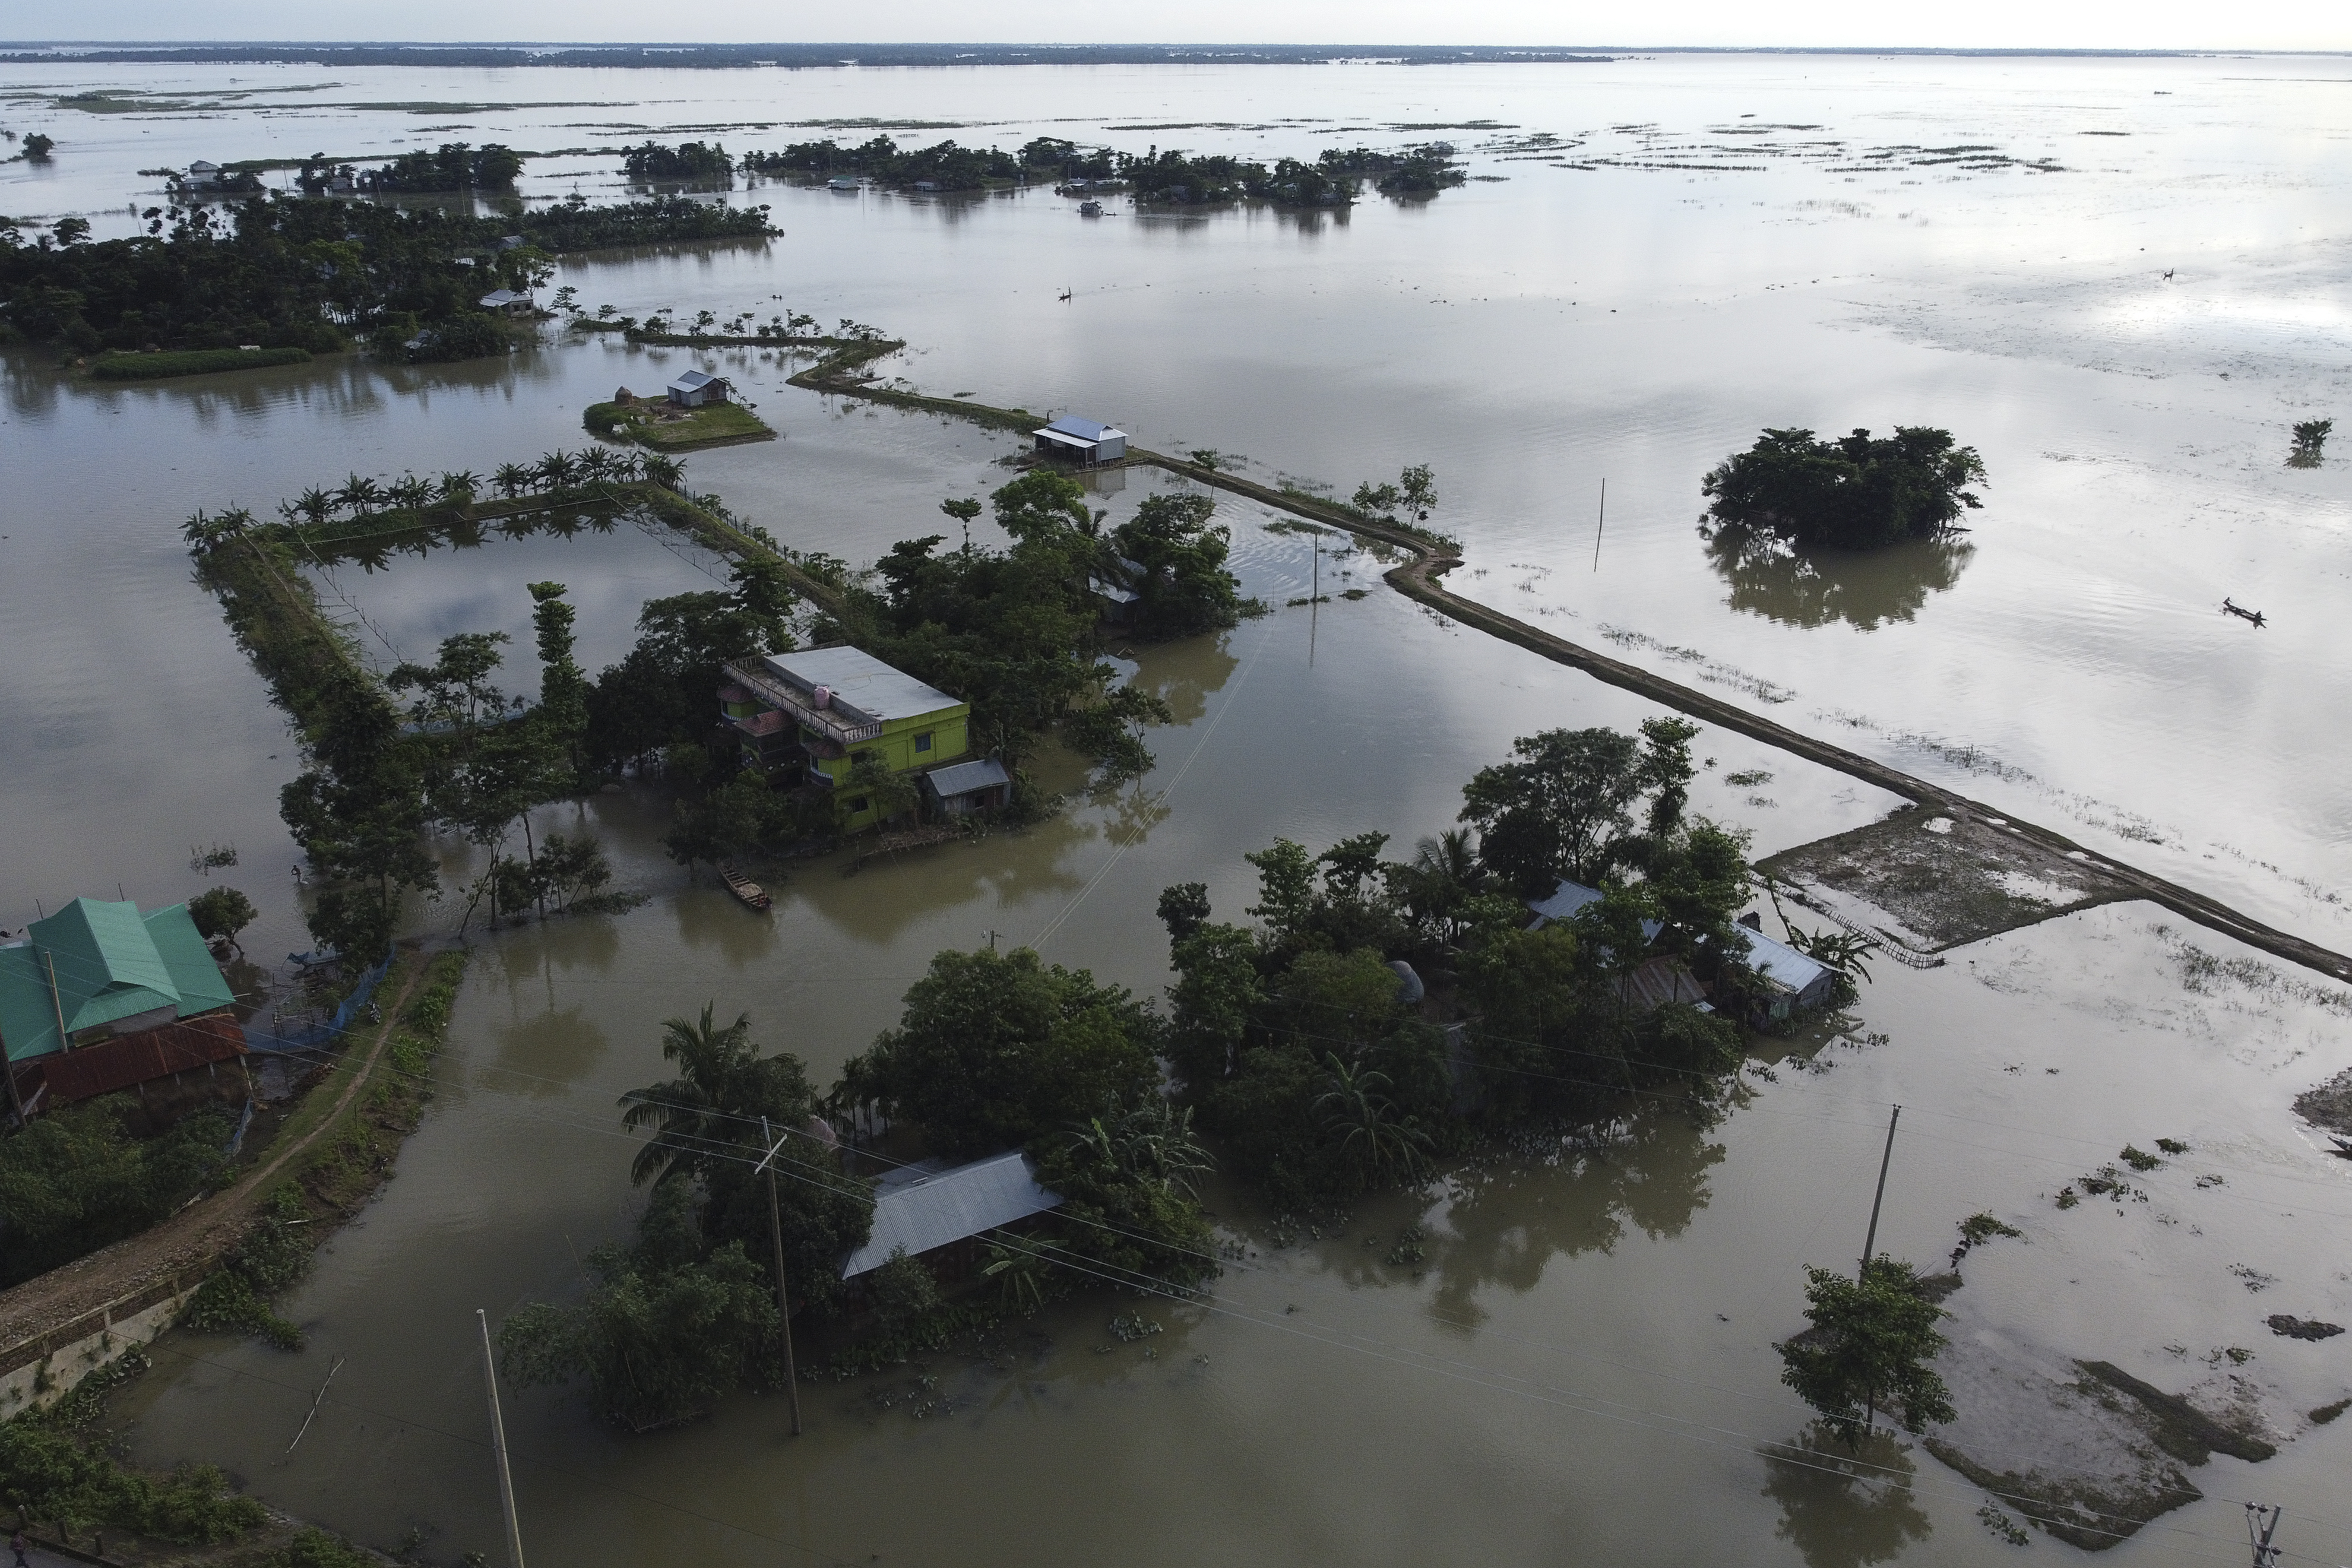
(108,963)
(151,1054)
(1781,964)
(1570,896)
(929,1209)
(691,380)
(862,682)
(962,778)
(1081,429)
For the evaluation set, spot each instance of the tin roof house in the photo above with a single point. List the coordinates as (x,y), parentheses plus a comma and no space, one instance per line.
(936,1212)
(1083,441)
(98,998)
(695,388)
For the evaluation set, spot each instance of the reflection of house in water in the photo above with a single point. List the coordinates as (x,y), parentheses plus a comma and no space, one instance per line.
(937,1213)
(98,998)
(1791,982)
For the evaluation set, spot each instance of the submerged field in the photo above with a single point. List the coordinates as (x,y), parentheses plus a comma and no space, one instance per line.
(1580,1365)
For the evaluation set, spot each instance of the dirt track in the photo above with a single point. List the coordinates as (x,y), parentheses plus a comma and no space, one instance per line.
(188,1243)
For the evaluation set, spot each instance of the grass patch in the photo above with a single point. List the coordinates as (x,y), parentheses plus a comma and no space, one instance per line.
(192,363)
(665,429)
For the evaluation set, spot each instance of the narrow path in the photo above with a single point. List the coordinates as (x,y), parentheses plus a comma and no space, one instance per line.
(189,1241)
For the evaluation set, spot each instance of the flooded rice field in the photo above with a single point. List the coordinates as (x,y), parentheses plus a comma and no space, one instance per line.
(2122,297)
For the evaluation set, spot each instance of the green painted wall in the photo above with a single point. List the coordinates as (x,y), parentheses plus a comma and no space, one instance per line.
(902,746)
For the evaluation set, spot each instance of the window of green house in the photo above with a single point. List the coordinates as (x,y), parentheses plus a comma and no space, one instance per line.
(856,804)
(923,741)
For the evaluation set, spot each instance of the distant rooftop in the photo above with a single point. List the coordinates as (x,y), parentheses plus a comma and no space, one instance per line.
(860,683)
(1081,429)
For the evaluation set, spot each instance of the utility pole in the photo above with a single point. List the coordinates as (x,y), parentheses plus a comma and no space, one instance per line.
(2262,1523)
(1315,602)
(1601,526)
(776,1235)
(1870,1243)
(499,1445)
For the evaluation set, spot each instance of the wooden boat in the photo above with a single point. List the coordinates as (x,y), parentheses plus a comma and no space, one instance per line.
(753,895)
(1090,209)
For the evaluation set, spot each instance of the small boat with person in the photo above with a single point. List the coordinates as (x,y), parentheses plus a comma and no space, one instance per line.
(751,894)
(1090,209)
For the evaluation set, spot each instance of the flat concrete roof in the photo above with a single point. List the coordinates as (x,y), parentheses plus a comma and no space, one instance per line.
(860,683)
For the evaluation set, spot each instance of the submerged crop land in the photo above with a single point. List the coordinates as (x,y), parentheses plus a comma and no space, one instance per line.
(1696,862)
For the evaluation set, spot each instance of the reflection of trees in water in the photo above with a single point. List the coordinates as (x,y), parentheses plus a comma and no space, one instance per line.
(1841,1507)
(1183,673)
(1510,1218)
(1769,577)
(545,1054)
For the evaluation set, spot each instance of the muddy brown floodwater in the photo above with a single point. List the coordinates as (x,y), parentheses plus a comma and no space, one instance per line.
(1579,1369)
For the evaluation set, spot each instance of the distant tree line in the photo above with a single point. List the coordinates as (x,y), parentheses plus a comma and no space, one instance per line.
(315,274)
(693,162)
(1169,178)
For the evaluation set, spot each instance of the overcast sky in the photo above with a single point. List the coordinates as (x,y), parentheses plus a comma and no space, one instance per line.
(2043,24)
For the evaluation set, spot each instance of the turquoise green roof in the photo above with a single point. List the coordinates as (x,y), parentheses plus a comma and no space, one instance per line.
(107,962)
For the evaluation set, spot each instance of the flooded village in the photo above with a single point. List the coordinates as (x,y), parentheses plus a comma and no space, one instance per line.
(756,831)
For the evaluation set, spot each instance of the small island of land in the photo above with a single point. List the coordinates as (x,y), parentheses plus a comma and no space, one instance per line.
(1853,493)
(668,426)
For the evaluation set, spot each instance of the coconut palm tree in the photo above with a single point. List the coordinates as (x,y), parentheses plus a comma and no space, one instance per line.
(703,1120)
(513,479)
(1371,1138)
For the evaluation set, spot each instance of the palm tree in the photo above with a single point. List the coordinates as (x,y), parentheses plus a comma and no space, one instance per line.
(460,485)
(203,531)
(664,471)
(315,504)
(556,469)
(513,479)
(409,493)
(594,464)
(703,1120)
(1371,1140)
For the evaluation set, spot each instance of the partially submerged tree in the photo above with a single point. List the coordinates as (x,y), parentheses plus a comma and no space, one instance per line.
(1869,1347)
(220,912)
(1853,493)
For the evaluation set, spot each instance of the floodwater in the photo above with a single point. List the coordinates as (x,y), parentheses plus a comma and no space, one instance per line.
(1582,1370)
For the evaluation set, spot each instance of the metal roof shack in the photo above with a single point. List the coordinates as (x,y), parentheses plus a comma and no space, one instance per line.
(505,299)
(1793,978)
(965,787)
(1084,439)
(859,692)
(1569,897)
(695,388)
(924,1207)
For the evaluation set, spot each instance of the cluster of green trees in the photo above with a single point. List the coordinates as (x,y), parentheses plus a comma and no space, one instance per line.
(1332,180)
(453,166)
(1012,631)
(690,162)
(2310,443)
(1294,1036)
(943,165)
(310,273)
(1853,493)
(994,1051)
(79,1178)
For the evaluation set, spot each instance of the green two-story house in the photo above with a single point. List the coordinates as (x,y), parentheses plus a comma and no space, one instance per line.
(826,708)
